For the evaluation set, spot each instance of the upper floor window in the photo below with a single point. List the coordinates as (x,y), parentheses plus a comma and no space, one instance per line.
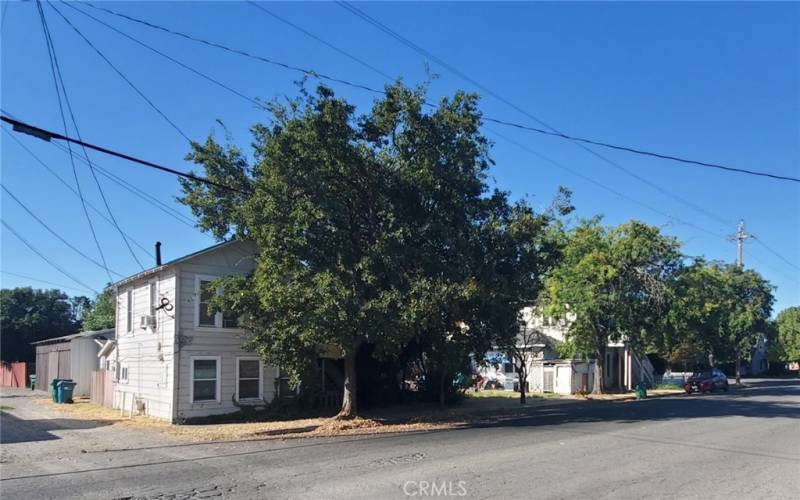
(205,291)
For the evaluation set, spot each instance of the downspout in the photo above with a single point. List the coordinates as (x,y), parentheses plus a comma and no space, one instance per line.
(176,348)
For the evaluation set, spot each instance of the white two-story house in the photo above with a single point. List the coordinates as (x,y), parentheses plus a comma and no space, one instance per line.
(173,359)
(623,369)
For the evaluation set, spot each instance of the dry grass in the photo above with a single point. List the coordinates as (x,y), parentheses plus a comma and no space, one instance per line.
(309,427)
(84,409)
(497,393)
(482,406)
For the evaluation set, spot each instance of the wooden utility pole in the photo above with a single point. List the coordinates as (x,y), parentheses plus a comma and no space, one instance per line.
(739,238)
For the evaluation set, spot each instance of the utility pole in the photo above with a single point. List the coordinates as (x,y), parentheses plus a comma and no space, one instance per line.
(739,238)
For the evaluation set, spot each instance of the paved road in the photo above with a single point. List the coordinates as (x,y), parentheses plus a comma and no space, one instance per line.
(744,444)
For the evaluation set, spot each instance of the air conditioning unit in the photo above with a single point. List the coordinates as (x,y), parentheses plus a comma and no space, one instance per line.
(147,321)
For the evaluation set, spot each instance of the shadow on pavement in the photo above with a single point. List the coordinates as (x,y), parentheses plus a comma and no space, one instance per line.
(17,430)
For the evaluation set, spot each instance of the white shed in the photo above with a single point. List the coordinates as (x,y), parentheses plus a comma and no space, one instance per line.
(71,357)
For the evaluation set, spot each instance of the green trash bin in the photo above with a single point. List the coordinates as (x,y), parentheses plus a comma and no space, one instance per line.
(32,379)
(641,391)
(64,390)
(54,389)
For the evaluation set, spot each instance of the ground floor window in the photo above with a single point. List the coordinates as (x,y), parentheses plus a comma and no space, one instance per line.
(249,376)
(205,379)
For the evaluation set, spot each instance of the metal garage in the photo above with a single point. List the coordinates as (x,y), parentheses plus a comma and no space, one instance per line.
(71,356)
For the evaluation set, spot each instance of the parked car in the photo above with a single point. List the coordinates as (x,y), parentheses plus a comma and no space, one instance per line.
(707,381)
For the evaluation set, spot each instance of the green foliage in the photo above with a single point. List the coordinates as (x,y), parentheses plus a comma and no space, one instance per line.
(375,229)
(788,328)
(28,315)
(101,313)
(719,310)
(613,283)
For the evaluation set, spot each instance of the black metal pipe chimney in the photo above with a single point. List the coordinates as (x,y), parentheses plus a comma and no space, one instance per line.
(158,253)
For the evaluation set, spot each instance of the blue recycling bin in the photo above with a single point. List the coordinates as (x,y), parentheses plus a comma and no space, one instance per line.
(54,389)
(64,390)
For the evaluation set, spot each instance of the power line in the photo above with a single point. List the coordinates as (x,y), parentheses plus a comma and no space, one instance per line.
(44,281)
(305,71)
(776,254)
(380,72)
(244,97)
(40,254)
(602,185)
(322,76)
(645,153)
(320,40)
(85,153)
(168,57)
(47,135)
(72,189)
(548,129)
(53,68)
(425,53)
(53,232)
(137,192)
(121,74)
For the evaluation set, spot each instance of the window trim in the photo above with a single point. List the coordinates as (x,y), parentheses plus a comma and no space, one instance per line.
(123,370)
(260,396)
(217,394)
(217,316)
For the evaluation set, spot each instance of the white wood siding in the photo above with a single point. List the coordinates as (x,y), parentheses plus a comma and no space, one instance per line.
(226,343)
(147,353)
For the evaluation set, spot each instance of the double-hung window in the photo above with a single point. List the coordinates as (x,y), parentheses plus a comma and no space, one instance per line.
(205,292)
(205,378)
(248,378)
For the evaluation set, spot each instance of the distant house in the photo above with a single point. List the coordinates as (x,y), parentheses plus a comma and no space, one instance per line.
(72,357)
(174,360)
(623,369)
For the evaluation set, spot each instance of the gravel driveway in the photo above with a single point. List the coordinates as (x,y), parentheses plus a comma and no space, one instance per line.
(30,432)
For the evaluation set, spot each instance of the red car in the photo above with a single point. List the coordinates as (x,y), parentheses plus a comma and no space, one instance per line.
(707,381)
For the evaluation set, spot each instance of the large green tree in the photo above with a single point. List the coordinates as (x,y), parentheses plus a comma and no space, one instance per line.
(698,316)
(720,310)
(101,312)
(369,228)
(28,315)
(788,328)
(748,308)
(613,284)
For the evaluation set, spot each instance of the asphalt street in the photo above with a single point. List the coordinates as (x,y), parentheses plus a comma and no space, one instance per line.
(741,444)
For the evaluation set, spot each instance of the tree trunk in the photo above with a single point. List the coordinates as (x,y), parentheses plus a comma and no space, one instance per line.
(711,359)
(523,384)
(598,372)
(738,366)
(349,391)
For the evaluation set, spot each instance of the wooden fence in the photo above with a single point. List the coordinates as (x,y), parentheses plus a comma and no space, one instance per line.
(13,374)
(101,390)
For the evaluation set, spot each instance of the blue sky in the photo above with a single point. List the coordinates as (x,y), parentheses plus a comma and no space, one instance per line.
(710,81)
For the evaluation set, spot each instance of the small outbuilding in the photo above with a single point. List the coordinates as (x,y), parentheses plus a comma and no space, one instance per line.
(72,357)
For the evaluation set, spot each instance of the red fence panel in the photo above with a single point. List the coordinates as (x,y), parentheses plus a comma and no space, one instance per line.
(13,374)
